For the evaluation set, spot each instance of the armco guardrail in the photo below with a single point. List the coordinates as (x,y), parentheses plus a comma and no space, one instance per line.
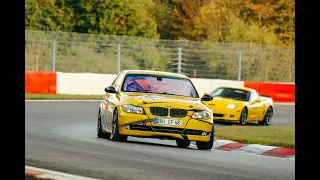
(94,84)
(83,83)
(280,92)
(40,82)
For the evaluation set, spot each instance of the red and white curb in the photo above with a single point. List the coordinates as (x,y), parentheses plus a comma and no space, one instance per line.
(257,149)
(47,174)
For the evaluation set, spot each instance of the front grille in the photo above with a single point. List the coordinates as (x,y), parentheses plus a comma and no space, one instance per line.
(217,115)
(178,112)
(166,130)
(159,111)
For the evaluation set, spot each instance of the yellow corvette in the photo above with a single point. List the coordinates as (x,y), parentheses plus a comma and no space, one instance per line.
(155,104)
(239,105)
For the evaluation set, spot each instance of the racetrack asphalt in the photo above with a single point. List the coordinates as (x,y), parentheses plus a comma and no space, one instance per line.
(61,136)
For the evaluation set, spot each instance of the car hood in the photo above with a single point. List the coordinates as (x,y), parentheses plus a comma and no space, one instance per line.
(159,100)
(222,102)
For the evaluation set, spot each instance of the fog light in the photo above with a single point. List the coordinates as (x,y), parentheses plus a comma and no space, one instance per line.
(231,116)
(204,133)
(127,126)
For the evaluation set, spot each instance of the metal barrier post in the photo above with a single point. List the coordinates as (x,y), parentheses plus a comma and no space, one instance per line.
(54,51)
(180,55)
(239,61)
(118,54)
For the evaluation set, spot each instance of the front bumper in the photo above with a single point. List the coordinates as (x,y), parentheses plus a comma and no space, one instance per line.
(141,126)
(226,114)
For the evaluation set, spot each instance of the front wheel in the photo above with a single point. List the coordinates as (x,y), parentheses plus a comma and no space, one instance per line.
(243,116)
(206,145)
(115,136)
(267,117)
(182,143)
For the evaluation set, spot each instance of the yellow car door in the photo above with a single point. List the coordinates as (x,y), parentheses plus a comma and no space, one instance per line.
(110,100)
(256,107)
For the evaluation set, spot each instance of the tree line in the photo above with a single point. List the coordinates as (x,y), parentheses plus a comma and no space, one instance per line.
(252,21)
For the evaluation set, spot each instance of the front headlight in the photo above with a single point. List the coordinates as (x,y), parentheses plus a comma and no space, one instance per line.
(232,106)
(201,115)
(132,109)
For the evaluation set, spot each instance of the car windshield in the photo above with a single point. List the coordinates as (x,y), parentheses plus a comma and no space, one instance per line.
(231,93)
(147,83)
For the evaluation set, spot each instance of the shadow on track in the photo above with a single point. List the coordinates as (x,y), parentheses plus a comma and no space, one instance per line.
(150,143)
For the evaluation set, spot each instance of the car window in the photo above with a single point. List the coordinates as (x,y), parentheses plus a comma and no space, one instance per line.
(254,96)
(148,83)
(231,93)
(216,92)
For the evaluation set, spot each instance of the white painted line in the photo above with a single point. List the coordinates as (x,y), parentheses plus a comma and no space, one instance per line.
(48,100)
(219,143)
(254,148)
(57,175)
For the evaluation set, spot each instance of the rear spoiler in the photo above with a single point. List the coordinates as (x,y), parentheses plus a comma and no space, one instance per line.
(265,96)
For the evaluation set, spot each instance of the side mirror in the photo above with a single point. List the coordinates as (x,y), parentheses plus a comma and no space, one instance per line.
(110,89)
(258,100)
(206,97)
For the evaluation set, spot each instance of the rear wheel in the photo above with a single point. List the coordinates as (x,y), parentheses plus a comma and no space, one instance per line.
(243,116)
(206,145)
(182,143)
(267,117)
(100,132)
(115,136)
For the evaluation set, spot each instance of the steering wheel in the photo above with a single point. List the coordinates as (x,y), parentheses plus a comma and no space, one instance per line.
(141,89)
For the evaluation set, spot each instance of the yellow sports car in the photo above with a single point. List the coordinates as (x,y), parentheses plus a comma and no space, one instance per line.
(155,104)
(239,104)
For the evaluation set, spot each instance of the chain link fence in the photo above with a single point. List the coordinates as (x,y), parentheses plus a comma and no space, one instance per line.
(76,52)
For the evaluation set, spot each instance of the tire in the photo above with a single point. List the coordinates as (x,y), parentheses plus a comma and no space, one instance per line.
(206,145)
(243,116)
(115,136)
(182,143)
(100,132)
(267,117)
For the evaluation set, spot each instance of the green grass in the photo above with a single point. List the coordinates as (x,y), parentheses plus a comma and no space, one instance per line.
(63,97)
(281,136)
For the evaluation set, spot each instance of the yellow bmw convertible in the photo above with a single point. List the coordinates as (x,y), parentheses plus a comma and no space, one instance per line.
(239,105)
(155,104)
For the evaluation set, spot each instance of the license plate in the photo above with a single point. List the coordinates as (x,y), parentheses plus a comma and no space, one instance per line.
(167,121)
